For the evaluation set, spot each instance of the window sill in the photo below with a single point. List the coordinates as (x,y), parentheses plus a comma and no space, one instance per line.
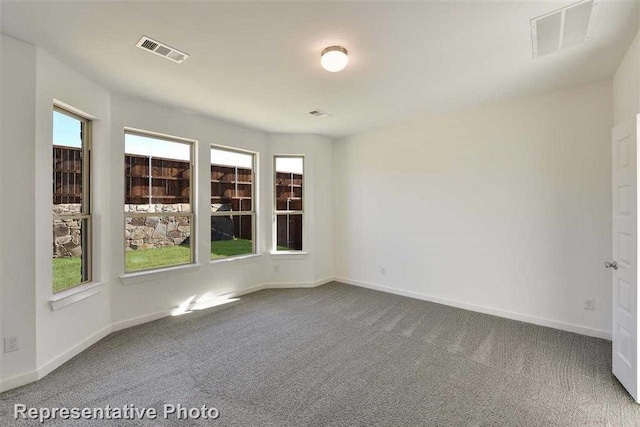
(145,276)
(239,258)
(75,294)
(290,255)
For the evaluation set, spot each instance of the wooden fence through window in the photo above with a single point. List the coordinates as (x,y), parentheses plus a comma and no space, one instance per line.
(155,180)
(67,175)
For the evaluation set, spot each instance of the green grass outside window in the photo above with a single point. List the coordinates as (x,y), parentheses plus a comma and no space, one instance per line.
(66,271)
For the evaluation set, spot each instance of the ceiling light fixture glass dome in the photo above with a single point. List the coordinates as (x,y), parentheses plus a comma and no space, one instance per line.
(334,59)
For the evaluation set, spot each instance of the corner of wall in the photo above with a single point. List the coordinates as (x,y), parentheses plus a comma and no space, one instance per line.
(626,84)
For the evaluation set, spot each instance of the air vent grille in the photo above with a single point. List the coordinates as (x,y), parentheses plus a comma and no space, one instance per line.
(563,28)
(320,114)
(162,49)
(176,56)
(148,44)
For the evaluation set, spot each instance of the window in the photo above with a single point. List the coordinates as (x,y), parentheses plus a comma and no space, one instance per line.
(71,200)
(289,205)
(159,219)
(233,211)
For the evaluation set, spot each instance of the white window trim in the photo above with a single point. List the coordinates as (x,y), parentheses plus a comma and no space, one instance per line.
(72,295)
(291,254)
(255,206)
(192,201)
(149,275)
(242,258)
(274,232)
(86,213)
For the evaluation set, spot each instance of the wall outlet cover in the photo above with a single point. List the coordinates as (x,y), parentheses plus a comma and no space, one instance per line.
(11,344)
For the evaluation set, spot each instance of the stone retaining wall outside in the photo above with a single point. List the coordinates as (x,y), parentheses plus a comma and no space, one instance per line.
(156,232)
(140,232)
(67,238)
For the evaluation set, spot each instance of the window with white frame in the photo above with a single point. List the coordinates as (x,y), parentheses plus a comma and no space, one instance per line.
(233,202)
(72,263)
(289,203)
(159,214)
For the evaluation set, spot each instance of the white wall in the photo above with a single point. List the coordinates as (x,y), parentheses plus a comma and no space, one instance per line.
(58,331)
(318,217)
(167,291)
(323,209)
(18,205)
(505,207)
(626,85)
(2,236)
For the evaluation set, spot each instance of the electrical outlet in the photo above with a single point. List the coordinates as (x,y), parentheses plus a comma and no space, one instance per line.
(11,344)
(383,270)
(276,268)
(589,304)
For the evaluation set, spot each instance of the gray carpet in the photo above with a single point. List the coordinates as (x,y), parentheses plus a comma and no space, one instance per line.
(343,356)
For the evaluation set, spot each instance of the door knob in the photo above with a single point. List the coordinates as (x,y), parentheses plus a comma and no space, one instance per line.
(613,265)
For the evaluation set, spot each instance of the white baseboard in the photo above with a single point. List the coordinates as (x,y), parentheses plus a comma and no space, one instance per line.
(324,281)
(54,363)
(295,285)
(555,324)
(124,324)
(59,360)
(246,291)
(18,381)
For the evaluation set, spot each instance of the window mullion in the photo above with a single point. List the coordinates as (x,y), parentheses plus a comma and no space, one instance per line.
(232,213)
(157,214)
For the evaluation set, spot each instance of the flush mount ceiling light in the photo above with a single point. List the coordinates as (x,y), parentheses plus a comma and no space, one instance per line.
(334,59)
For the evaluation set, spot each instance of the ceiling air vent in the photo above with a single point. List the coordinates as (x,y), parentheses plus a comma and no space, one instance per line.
(162,49)
(319,114)
(563,28)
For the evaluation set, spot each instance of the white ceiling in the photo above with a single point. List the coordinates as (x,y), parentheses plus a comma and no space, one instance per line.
(258,63)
